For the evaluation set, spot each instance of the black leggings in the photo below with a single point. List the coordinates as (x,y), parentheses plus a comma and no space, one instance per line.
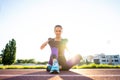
(66,65)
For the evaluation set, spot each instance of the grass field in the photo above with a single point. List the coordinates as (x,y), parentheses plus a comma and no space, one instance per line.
(23,67)
(74,67)
(96,66)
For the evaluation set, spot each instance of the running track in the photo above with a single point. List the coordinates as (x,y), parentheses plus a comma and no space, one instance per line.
(73,74)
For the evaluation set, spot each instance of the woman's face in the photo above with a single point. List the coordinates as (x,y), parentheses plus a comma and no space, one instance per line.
(58,31)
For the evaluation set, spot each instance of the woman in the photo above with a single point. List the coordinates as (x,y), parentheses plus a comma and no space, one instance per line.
(58,46)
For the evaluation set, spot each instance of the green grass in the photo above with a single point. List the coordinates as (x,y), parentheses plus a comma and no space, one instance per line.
(22,67)
(90,66)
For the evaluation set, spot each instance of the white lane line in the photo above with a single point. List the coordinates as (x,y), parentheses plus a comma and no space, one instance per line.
(45,69)
(94,69)
(66,75)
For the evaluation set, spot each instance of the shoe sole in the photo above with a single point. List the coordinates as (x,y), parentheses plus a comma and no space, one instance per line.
(55,72)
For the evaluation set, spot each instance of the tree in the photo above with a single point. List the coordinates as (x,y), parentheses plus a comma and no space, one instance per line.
(31,61)
(0,59)
(90,58)
(87,62)
(9,53)
(25,61)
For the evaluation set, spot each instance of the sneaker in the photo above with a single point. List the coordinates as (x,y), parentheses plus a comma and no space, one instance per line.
(48,68)
(55,67)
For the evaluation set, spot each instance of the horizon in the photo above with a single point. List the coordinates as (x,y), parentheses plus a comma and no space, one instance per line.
(91,27)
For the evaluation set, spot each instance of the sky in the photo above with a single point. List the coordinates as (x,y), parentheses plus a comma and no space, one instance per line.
(91,26)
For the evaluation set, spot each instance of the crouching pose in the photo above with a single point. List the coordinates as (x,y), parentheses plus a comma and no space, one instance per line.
(57,58)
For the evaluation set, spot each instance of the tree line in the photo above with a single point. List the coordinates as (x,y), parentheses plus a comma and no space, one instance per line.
(22,61)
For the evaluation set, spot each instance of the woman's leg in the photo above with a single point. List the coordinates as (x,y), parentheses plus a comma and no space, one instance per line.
(74,61)
(66,65)
(62,62)
(54,54)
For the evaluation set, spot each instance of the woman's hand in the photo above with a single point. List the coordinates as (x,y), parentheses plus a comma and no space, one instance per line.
(44,44)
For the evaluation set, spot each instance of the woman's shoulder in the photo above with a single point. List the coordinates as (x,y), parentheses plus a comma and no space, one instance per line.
(50,39)
(65,40)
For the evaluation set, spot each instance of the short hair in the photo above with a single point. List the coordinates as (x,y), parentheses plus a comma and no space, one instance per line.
(58,26)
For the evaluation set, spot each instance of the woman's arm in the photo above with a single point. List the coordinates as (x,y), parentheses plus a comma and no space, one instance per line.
(67,49)
(66,40)
(44,44)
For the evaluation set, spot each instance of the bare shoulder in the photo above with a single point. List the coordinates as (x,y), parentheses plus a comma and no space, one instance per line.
(65,40)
